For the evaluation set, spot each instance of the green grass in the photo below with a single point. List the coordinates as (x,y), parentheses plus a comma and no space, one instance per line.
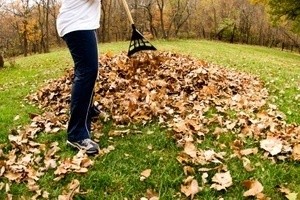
(116,176)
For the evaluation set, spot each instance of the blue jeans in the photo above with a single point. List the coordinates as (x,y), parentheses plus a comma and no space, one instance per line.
(83,48)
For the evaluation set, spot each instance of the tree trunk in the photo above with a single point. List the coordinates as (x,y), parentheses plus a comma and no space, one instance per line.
(1,60)
(161,5)
(47,27)
(25,40)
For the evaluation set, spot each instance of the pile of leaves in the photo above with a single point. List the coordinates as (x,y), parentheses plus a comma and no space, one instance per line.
(190,97)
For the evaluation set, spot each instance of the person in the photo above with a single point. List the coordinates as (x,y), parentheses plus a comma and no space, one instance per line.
(77,23)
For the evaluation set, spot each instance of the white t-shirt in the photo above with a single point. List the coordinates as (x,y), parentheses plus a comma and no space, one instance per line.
(77,15)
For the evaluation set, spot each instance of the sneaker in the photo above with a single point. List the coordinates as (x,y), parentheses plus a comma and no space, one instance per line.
(89,145)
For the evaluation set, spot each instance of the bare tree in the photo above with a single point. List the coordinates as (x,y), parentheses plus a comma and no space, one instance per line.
(161,7)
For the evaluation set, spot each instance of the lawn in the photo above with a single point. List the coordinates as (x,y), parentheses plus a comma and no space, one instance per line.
(116,175)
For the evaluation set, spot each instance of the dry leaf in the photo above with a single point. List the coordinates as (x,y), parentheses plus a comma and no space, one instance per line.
(249,151)
(188,170)
(190,149)
(288,194)
(221,181)
(254,188)
(71,190)
(272,145)
(296,152)
(190,188)
(145,174)
(292,196)
(152,195)
(247,164)
(204,178)
(17,117)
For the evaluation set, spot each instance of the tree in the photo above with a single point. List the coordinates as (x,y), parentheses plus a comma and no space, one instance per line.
(290,9)
(161,7)
(21,9)
(1,60)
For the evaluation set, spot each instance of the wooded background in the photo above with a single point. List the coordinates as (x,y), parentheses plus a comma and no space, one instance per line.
(28,26)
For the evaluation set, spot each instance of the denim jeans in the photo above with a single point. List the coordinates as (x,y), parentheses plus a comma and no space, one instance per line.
(83,48)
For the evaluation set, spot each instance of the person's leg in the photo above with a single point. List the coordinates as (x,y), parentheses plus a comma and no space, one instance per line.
(83,48)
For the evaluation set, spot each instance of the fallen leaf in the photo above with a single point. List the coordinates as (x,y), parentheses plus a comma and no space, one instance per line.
(221,181)
(190,149)
(296,152)
(17,117)
(292,196)
(188,170)
(204,178)
(247,164)
(288,194)
(272,145)
(190,188)
(146,173)
(246,152)
(71,190)
(254,188)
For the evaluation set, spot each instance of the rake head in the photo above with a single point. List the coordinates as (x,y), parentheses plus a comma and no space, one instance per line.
(138,42)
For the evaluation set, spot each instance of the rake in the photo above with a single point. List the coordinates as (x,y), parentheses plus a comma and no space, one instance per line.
(138,41)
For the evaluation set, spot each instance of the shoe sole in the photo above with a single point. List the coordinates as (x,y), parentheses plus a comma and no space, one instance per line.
(79,148)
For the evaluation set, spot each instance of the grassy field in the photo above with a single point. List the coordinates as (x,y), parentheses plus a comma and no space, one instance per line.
(115,176)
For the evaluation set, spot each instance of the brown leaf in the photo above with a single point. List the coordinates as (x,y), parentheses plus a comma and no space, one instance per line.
(288,194)
(221,181)
(190,188)
(254,188)
(247,164)
(272,145)
(296,152)
(246,152)
(188,170)
(190,149)
(145,174)
(71,190)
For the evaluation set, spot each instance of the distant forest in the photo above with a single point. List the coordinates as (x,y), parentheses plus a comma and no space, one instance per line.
(28,26)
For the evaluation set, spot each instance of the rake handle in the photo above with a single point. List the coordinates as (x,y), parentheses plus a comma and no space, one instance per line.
(128,11)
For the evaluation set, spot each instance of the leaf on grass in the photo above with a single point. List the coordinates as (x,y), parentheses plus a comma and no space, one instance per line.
(72,189)
(221,181)
(247,164)
(188,170)
(79,164)
(254,188)
(204,178)
(152,195)
(287,193)
(17,117)
(272,145)
(13,176)
(190,187)
(145,174)
(246,152)
(292,196)
(296,152)
(190,149)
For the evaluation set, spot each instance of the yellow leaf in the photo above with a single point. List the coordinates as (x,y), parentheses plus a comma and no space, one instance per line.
(292,196)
